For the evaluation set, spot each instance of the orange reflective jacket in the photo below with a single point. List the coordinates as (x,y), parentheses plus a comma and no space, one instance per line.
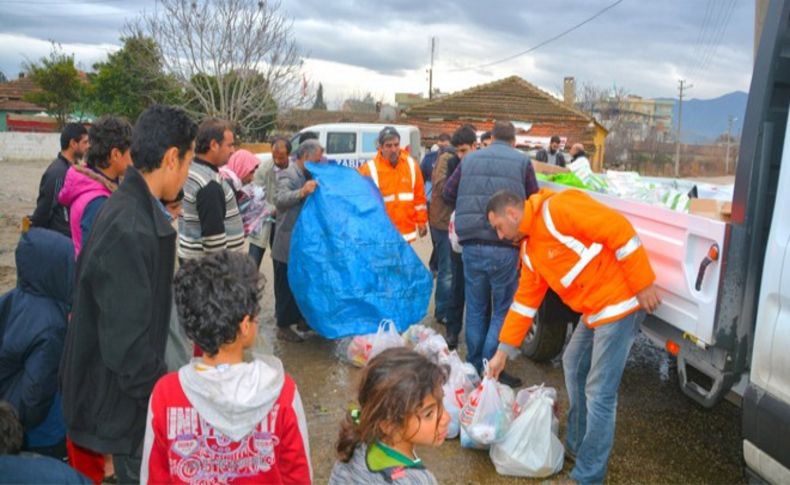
(402,189)
(586,252)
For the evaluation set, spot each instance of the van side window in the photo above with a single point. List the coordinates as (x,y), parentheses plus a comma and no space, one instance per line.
(341,143)
(369,142)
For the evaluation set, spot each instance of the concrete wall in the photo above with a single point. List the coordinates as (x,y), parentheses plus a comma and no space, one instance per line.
(28,146)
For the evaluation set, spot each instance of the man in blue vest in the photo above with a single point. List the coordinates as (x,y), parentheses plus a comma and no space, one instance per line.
(490,265)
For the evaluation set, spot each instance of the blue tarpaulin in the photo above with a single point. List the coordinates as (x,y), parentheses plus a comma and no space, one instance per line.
(349,267)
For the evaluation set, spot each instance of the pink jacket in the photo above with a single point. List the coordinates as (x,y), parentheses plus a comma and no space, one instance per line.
(80,187)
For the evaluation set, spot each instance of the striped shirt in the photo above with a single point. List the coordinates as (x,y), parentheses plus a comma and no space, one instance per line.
(211,220)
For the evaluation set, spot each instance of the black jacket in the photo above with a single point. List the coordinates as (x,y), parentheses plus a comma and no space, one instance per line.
(33,320)
(115,344)
(542,155)
(49,214)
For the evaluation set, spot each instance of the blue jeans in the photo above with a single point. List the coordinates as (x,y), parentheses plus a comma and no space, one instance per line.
(593,364)
(490,279)
(444,274)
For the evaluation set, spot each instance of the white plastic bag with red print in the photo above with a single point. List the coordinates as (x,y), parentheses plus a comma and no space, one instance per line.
(485,418)
(461,381)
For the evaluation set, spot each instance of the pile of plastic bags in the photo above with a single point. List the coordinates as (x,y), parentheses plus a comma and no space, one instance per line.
(519,430)
(674,194)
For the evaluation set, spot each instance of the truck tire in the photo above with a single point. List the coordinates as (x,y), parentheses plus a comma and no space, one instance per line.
(548,333)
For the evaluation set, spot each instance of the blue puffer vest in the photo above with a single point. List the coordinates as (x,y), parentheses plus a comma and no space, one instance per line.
(484,173)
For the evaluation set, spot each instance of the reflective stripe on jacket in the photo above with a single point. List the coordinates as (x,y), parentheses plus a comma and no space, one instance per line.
(586,252)
(403,191)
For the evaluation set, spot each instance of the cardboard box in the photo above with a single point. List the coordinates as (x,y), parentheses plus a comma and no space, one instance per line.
(711,208)
(541,167)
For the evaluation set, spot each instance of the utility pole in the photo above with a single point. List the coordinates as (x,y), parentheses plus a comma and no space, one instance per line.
(682,88)
(430,71)
(730,120)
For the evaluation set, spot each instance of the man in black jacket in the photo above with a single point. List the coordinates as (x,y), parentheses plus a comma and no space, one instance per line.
(115,344)
(49,214)
(552,156)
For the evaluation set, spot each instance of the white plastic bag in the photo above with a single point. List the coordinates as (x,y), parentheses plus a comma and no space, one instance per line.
(581,167)
(524,396)
(434,347)
(357,349)
(417,333)
(484,418)
(387,337)
(456,389)
(454,243)
(530,448)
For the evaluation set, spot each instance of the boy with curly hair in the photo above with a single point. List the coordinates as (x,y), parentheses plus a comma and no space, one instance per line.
(219,418)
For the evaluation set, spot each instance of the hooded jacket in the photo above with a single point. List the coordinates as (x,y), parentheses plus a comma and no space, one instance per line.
(586,252)
(33,319)
(80,188)
(115,344)
(241,423)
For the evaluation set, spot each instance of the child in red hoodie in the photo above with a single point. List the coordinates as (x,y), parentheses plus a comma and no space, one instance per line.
(220,419)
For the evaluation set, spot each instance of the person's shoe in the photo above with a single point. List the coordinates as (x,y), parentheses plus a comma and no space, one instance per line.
(303,327)
(509,380)
(452,341)
(288,334)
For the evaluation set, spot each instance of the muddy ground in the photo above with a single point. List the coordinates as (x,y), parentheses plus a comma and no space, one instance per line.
(662,437)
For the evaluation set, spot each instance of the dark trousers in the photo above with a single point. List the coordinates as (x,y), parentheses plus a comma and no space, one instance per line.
(285,308)
(455,310)
(257,252)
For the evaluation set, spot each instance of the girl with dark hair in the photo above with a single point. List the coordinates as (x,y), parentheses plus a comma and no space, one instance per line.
(400,407)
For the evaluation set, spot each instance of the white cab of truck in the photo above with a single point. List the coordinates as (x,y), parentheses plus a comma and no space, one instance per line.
(352,144)
(725,284)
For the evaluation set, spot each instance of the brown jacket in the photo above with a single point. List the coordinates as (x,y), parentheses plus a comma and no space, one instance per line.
(440,211)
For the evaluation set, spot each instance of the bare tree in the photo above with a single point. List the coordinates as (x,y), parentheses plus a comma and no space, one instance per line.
(234,59)
(611,107)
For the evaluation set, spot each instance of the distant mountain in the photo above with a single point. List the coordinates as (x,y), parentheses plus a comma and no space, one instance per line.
(704,120)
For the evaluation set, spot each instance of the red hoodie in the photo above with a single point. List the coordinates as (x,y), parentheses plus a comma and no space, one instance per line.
(243,424)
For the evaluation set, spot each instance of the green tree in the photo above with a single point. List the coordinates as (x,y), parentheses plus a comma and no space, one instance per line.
(130,80)
(59,82)
(319,98)
(3,79)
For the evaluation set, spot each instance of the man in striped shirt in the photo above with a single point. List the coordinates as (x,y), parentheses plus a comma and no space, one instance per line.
(211,220)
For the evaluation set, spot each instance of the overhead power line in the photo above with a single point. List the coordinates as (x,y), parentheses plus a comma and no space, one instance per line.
(547,41)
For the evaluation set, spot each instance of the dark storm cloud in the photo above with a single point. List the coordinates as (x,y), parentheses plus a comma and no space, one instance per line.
(642,45)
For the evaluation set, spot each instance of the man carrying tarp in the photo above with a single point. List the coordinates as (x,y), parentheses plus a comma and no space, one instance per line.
(399,179)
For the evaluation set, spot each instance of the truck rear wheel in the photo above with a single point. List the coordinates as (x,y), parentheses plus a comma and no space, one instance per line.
(546,337)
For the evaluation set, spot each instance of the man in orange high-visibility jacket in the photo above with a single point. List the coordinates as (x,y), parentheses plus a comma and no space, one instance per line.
(399,179)
(592,258)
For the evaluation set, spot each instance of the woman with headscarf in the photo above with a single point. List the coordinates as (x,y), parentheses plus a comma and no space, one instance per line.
(238,173)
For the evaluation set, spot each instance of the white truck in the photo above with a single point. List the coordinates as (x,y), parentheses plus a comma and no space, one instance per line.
(725,286)
(352,144)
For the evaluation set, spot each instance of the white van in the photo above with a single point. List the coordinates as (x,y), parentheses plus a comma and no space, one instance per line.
(352,144)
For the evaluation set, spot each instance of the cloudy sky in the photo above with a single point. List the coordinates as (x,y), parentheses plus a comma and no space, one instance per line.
(359,46)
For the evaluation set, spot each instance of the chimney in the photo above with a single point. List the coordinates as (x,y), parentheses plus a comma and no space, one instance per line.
(21,74)
(569,91)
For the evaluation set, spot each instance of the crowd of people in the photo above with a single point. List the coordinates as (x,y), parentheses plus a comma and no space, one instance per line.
(133,372)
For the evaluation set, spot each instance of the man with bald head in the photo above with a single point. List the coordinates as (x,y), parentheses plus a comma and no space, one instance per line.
(577,152)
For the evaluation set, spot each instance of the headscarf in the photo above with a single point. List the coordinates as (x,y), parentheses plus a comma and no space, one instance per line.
(241,164)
